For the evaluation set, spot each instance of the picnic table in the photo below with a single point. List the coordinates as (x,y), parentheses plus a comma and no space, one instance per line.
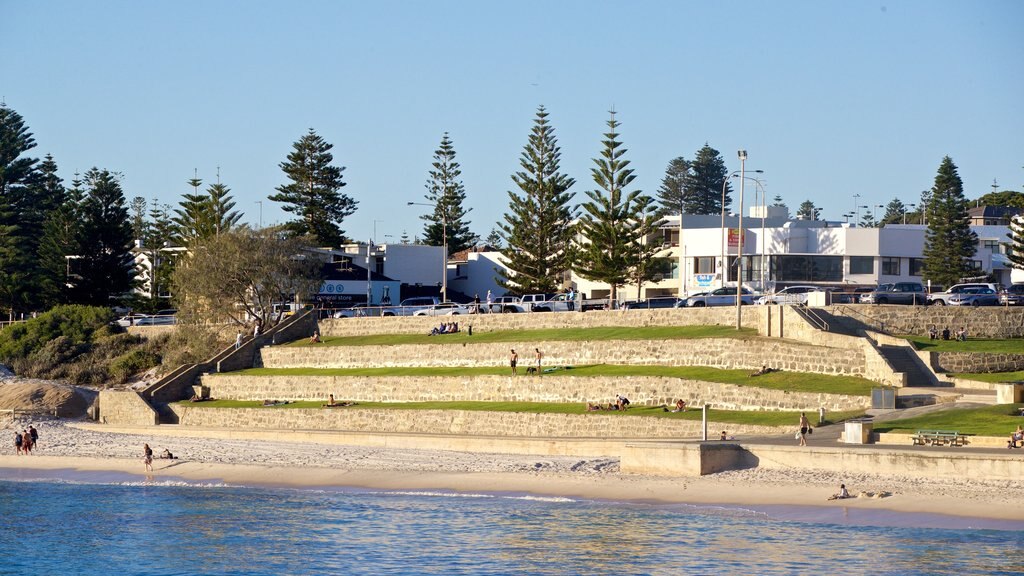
(939,438)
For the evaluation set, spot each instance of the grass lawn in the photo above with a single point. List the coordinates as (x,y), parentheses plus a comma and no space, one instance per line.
(782,380)
(1004,346)
(995,376)
(721,416)
(986,421)
(545,335)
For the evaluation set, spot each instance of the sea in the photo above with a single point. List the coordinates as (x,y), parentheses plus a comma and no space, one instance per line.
(67,522)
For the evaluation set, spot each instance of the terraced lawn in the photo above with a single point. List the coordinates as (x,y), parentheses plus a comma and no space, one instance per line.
(1003,346)
(994,377)
(998,420)
(542,335)
(720,416)
(780,380)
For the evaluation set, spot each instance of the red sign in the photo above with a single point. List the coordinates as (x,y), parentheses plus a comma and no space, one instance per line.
(734,237)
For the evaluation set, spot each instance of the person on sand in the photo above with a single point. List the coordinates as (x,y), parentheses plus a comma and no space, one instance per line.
(17,442)
(26,442)
(35,436)
(147,458)
(166,455)
(805,426)
(513,360)
(841,495)
(1017,436)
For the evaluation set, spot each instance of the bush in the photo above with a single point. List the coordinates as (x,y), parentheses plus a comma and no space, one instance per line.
(190,344)
(80,325)
(138,360)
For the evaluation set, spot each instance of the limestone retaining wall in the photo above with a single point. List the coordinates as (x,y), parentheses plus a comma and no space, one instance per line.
(977,362)
(714,352)
(641,390)
(513,424)
(125,408)
(983,322)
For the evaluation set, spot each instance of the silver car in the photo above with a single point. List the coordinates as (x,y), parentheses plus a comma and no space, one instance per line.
(443,309)
(789,295)
(720,297)
(975,297)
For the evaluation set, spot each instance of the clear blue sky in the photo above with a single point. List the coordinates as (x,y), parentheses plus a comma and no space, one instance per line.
(830,99)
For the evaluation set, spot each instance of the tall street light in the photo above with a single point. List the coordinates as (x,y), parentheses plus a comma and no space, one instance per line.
(724,184)
(739,251)
(444,237)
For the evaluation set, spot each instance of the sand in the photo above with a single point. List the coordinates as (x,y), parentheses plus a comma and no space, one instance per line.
(256,462)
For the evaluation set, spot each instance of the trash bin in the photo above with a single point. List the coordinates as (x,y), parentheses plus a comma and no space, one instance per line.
(883,398)
(858,432)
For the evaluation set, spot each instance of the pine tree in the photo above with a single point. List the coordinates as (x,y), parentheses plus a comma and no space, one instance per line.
(537,227)
(949,242)
(672,195)
(646,267)
(137,211)
(895,211)
(808,211)
(222,217)
(494,239)
(20,214)
(50,198)
(1015,253)
(192,216)
(161,234)
(446,192)
(777,201)
(610,227)
(314,194)
(704,191)
(60,248)
(107,267)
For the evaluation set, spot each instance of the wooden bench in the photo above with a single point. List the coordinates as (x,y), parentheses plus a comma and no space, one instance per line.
(939,438)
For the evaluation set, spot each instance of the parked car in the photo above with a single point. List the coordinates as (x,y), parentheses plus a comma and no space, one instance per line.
(942,298)
(651,303)
(897,293)
(505,305)
(1012,296)
(721,297)
(443,309)
(846,295)
(410,306)
(683,302)
(789,295)
(975,297)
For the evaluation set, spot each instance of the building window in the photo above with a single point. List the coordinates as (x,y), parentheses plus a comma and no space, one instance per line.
(890,266)
(992,245)
(705,265)
(862,264)
(807,268)
(916,266)
(976,265)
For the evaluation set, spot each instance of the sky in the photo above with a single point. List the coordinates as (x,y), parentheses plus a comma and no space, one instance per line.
(830,99)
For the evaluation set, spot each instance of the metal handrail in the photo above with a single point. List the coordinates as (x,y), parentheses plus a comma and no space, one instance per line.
(871,321)
(813,317)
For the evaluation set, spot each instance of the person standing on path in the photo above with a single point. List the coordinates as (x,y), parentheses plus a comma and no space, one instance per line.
(148,458)
(513,361)
(805,426)
(238,340)
(540,355)
(489,301)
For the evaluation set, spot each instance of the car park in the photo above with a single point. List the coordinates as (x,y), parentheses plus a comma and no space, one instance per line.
(975,297)
(1012,296)
(789,295)
(443,309)
(942,298)
(505,305)
(897,293)
(721,297)
(651,303)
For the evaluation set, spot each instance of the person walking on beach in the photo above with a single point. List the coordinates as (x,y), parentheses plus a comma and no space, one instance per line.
(805,426)
(26,442)
(147,459)
(513,360)
(540,356)
(17,442)
(34,434)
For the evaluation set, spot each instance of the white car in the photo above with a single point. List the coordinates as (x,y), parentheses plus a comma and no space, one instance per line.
(443,309)
(789,295)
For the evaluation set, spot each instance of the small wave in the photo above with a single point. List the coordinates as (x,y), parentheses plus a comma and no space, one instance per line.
(445,494)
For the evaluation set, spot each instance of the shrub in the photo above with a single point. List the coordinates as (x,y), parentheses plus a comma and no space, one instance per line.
(79,324)
(138,360)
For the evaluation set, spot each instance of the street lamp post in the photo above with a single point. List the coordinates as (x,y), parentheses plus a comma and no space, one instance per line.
(739,251)
(444,239)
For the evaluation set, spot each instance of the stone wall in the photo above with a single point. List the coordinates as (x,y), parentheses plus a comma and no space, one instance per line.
(641,390)
(125,408)
(983,322)
(977,362)
(501,424)
(714,352)
(722,316)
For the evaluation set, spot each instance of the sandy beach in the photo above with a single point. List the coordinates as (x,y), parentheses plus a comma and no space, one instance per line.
(256,462)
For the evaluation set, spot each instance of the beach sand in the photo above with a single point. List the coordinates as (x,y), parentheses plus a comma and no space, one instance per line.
(258,462)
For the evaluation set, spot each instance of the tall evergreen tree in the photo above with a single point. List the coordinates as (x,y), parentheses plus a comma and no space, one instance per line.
(20,214)
(704,191)
(949,242)
(1015,253)
(161,235)
(137,212)
(646,267)
(610,227)
(808,211)
(446,192)
(537,227)
(50,198)
(223,217)
(107,267)
(192,218)
(314,194)
(60,247)
(894,212)
(672,195)
(777,201)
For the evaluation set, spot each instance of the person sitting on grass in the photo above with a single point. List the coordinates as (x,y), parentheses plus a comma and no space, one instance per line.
(764,370)
(961,334)
(621,402)
(945,333)
(594,407)
(680,406)
(1017,436)
(315,338)
(933,332)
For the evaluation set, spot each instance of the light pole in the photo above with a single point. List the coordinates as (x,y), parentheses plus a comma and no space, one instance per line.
(724,184)
(260,202)
(444,238)
(739,251)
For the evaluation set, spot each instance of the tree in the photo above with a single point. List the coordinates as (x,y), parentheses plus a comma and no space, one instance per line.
(704,190)
(220,204)
(895,211)
(646,267)
(240,274)
(1004,198)
(137,210)
(50,265)
(808,211)
(1016,248)
(493,239)
(537,227)
(106,267)
(611,224)
(672,195)
(949,242)
(314,194)
(192,216)
(160,235)
(777,201)
(446,192)
(21,215)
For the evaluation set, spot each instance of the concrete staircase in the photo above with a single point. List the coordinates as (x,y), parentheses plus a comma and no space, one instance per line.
(901,360)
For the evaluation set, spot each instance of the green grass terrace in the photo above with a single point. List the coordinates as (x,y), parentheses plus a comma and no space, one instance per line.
(543,335)
(780,380)
(756,418)
(998,420)
(994,377)
(1002,346)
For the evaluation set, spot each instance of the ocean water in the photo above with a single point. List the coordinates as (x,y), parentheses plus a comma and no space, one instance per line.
(85,526)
